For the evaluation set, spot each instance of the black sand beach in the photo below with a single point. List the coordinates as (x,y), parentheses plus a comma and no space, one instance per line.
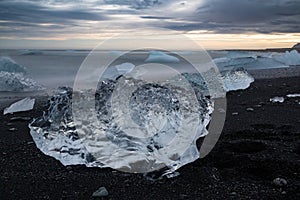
(257,145)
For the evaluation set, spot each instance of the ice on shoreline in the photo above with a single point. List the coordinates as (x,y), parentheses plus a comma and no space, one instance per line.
(19,106)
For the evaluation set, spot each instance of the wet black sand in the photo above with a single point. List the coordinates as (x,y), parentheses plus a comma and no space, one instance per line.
(255,148)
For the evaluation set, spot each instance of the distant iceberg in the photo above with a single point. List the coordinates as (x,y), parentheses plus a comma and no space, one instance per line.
(30,52)
(19,106)
(257,60)
(13,77)
(161,57)
(9,65)
(289,58)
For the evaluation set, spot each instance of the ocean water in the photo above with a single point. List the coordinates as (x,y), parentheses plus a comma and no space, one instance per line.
(54,68)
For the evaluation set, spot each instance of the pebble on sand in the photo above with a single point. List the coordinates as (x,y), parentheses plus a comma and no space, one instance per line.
(279,182)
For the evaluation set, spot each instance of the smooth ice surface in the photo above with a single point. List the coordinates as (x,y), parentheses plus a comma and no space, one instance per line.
(161,57)
(293,95)
(289,58)
(277,99)
(19,106)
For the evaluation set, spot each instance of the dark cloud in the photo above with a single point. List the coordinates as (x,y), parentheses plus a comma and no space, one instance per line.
(28,18)
(32,13)
(251,15)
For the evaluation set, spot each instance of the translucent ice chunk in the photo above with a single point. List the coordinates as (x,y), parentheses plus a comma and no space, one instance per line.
(161,57)
(22,105)
(277,99)
(9,65)
(237,79)
(160,111)
(148,130)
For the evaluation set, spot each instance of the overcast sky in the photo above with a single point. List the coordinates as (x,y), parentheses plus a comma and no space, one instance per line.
(252,23)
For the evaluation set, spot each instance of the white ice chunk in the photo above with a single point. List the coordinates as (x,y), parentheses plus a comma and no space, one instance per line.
(293,95)
(277,99)
(237,80)
(22,105)
(161,57)
(289,58)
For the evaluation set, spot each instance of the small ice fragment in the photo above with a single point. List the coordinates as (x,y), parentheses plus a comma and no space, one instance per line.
(250,109)
(22,105)
(221,110)
(234,113)
(161,57)
(12,129)
(277,99)
(101,192)
(293,95)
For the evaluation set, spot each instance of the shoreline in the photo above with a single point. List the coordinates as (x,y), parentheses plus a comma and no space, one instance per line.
(255,148)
